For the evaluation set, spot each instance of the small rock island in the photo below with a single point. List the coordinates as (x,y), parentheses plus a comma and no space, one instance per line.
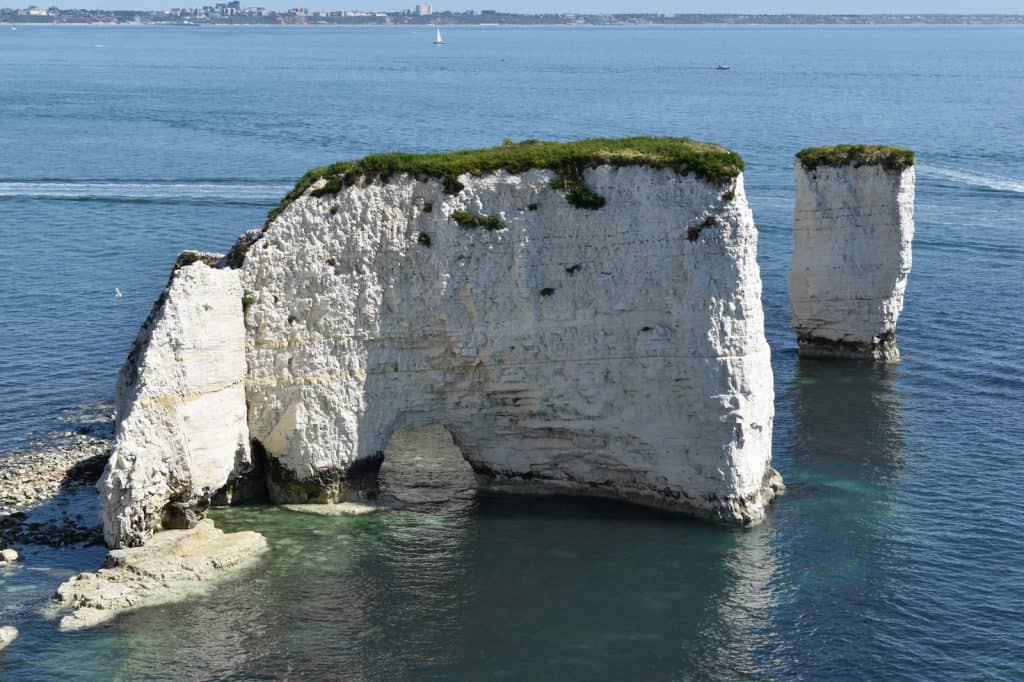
(853,224)
(582,317)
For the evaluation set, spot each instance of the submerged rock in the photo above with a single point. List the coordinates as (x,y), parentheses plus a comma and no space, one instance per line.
(171,566)
(8,634)
(340,509)
(181,427)
(852,230)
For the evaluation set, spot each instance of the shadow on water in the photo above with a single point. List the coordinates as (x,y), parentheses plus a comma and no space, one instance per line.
(839,533)
(847,427)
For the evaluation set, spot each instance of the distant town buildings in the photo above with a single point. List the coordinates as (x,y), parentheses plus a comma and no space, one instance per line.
(233,13)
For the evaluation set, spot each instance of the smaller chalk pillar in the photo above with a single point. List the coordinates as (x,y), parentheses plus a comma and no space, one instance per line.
(853,223)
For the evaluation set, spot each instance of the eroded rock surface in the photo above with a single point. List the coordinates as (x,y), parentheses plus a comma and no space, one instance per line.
(171,566)
(181,421)
(853,225)
(617,351)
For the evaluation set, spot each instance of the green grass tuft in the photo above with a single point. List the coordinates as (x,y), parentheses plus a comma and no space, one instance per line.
(707,161)
(424,239)
(247,301)
(471,220)
(890,158)
(188,258)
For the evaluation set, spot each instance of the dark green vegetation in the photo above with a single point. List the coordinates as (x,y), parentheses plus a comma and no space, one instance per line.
(577,193)
(471,220)
(424,239)
(334,209)
(188,258)
(728,195)
(332,262)
(890,158)
(693,233)
(547,291)
(568,159)
(247,301)
(428,207)
(531,207)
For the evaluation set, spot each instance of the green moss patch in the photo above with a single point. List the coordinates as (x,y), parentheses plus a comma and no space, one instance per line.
(890,158)
(568,159)
(471,220)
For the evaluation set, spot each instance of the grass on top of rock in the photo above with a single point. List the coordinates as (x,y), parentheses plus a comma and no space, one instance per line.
(707,161)
(890,158)
(470,220)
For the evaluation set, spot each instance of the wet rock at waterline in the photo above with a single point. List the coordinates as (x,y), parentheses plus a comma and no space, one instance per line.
(171,566)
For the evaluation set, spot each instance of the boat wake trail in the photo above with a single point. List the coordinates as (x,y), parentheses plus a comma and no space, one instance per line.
(144,191)
(997,183)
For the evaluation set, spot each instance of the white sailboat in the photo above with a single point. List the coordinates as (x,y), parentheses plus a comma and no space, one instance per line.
(438,40)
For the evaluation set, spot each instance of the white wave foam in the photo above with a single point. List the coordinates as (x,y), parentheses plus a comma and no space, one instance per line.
(140,191)
(995,182)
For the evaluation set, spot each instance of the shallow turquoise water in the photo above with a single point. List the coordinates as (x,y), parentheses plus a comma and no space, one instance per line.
(896,552)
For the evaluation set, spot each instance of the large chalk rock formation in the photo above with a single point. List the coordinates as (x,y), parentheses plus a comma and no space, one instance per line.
(614,350)
(582,317)
(180,399)
(852,229)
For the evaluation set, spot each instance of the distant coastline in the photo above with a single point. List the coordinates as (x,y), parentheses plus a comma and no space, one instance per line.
(233,14)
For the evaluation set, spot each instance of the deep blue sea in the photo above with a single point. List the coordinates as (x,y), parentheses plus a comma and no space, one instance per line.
(898,551)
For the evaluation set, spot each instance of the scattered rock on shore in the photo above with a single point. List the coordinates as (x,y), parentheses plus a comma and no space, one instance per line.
(48,495)
(8,556)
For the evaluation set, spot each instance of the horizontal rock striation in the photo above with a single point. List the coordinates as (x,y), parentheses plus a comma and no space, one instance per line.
(853,224)
(591,327)
(181,427)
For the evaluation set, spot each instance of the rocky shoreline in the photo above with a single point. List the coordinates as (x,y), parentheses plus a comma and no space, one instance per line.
(47,492)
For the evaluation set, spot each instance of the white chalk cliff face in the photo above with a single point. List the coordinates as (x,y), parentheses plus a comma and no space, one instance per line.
(616,352)
(852,231)
(181,421)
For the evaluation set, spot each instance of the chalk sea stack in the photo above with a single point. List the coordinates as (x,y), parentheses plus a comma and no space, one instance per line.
(853,224)
(582,317)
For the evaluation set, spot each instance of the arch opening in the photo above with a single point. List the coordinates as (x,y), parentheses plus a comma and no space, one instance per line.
(423,466)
